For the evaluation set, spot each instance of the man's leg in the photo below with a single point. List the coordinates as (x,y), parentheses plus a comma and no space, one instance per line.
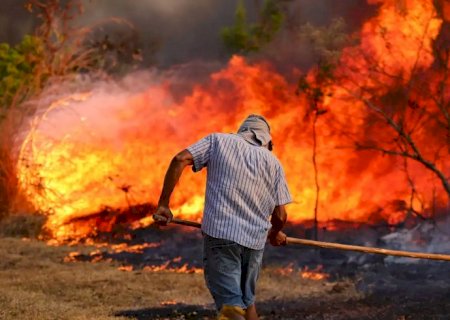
(251,265)
(222,270)
(250,313)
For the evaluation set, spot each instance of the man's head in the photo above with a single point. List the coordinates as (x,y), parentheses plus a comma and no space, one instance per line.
(256,130)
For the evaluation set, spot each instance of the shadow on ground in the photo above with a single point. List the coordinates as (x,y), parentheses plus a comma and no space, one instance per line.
(175,311)
(368,308)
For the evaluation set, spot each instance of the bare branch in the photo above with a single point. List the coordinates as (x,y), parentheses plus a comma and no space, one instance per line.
(416,154)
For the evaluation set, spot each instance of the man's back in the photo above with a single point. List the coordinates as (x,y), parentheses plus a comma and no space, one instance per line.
(244,184)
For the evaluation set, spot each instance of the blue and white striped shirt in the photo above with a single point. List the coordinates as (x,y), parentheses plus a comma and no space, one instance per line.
(244,184)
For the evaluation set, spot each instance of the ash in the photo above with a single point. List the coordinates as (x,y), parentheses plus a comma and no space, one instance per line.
(390,287)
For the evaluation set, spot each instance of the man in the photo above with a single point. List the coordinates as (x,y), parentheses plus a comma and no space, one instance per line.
(245,185)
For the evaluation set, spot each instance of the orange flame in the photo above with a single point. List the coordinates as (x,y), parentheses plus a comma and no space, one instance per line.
(167,268)
(305,273)
(128,268)
(315,274)
(111,148)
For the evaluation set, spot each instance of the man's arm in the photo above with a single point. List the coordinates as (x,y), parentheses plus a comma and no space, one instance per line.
(177,165)
(279,217)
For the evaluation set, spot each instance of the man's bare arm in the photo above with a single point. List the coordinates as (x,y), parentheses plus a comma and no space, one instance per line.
(176,167)
(278,220)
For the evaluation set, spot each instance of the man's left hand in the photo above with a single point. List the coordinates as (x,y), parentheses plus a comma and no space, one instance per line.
(163,211)
(277,238)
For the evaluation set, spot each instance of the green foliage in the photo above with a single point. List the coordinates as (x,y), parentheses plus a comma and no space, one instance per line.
(17,68)
(244,37)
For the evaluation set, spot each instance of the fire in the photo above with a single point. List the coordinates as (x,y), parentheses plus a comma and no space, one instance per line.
(168,303)
(315,274)
(305,273)
(110,147)
(173,265)
(125,268)
(165,267)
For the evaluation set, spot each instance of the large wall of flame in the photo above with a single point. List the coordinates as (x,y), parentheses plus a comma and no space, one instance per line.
(111,145)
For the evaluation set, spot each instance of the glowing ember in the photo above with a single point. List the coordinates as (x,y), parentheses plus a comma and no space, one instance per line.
(125,268)
(166,267)
(305,273)
(168,303)
(137,248)
(315,274)
(285,271)
(72,256)
(183,269)
(109,148)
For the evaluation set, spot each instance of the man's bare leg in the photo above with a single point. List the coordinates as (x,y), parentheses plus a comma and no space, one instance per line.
(250,313)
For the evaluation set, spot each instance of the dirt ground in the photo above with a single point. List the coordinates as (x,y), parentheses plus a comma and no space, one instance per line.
(37,283)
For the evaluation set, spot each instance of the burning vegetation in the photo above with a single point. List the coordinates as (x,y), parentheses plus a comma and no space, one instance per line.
(363,134)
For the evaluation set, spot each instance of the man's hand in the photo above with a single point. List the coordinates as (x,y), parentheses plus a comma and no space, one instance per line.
(176,167)
(165,212)
(277,238)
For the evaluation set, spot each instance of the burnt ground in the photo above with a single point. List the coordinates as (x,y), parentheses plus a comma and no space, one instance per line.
(385,287)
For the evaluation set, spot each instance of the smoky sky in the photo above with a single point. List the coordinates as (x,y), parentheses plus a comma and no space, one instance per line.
(186,30)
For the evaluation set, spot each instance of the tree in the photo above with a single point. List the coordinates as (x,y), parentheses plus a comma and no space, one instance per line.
(244,37)
(396,80)
(327,43)
(56,52)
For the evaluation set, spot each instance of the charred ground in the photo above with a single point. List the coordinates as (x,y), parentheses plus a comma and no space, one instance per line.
(82,281)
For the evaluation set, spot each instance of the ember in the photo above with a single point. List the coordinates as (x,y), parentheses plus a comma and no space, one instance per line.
(305,273)
(125,268)
(315,274)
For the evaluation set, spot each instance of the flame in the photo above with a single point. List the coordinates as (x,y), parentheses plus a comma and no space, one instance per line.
(168,303)
(166,267)
(98,255)
(315,274)
(183,269)
(109,148)
(305,273)
(137,248)
(128,268)
(72,256)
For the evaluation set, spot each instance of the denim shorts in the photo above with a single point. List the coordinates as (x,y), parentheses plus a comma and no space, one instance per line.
(231,271)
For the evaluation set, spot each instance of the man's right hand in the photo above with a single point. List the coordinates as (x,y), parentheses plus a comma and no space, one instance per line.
(277,238)
(163,211)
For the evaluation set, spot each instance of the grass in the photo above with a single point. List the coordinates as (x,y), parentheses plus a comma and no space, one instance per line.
(36,283)
(22,225)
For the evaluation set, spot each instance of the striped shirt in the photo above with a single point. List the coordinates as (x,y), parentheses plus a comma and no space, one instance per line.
(244,184)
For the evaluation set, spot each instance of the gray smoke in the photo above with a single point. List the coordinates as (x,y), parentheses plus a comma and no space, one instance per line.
(187,30)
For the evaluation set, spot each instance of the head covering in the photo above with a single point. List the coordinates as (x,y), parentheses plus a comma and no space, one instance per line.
(255,130)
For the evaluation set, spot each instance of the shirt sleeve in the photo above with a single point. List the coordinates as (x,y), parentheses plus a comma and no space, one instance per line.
(201,152)
(282,191)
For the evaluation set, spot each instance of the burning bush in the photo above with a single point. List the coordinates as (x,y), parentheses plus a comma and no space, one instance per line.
(106,144)
(56,53)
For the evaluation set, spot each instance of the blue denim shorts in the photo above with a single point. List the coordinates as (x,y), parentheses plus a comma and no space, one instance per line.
(231,271)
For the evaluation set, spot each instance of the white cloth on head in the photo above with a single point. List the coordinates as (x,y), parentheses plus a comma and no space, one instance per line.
(255,130)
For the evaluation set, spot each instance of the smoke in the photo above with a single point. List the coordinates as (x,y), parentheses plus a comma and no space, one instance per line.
(15,21)
(430,236)
(186,30)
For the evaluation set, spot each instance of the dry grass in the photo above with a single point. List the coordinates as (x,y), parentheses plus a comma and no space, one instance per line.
(37,284)
(22,225)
